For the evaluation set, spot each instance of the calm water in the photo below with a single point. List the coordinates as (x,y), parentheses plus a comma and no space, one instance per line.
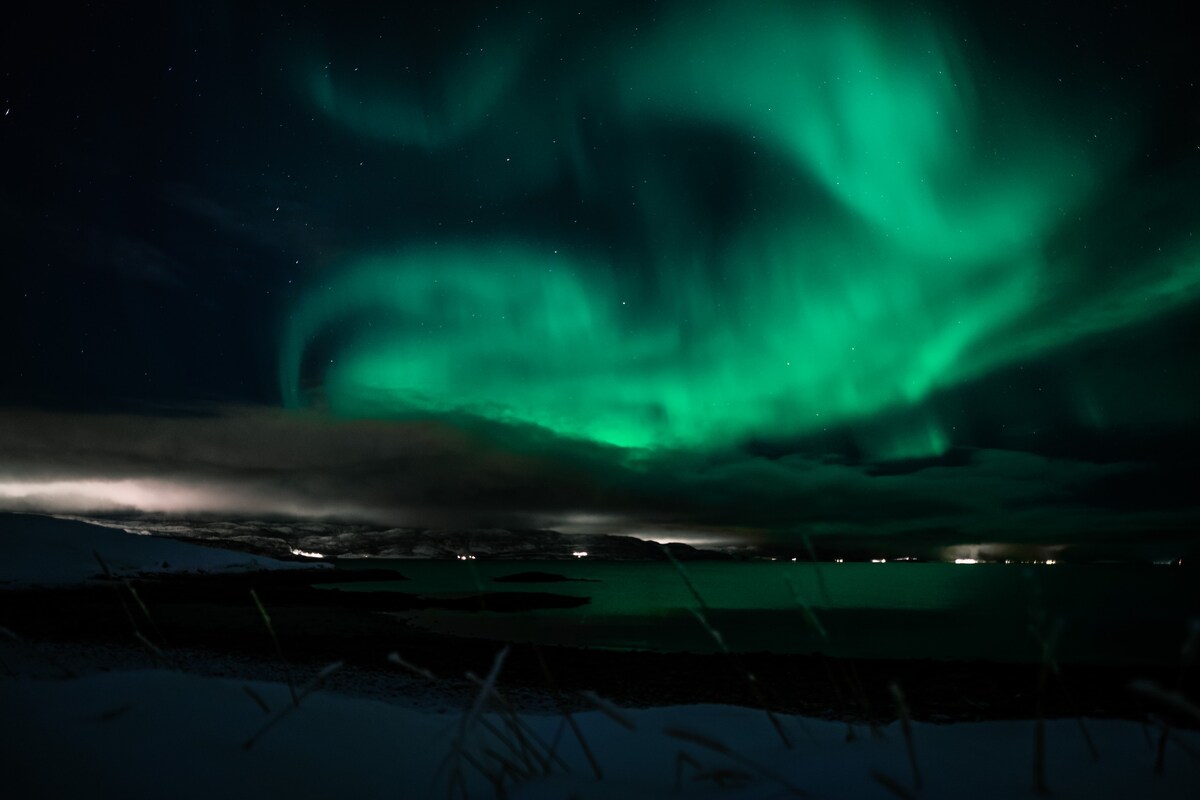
(1109,613)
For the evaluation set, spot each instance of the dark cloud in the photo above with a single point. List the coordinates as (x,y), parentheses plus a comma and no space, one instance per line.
(454,473)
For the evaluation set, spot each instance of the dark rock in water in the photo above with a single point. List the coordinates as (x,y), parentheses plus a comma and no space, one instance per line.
(540,577)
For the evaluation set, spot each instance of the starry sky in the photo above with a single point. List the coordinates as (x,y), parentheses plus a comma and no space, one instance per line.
(907,275)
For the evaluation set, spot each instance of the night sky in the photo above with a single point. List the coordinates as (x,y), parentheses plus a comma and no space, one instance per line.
(901,275)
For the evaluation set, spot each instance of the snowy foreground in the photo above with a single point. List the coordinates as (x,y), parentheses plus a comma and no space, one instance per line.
(170,734)
(163,733)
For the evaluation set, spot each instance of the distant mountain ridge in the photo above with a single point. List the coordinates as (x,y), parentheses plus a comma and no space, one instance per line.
(288,539)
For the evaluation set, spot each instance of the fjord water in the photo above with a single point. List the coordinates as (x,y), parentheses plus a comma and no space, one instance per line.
(1109,613)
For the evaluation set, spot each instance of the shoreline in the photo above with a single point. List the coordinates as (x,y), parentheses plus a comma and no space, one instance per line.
(211,621)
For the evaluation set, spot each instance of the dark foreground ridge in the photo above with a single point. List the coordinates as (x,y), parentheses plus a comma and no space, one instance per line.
(217,614)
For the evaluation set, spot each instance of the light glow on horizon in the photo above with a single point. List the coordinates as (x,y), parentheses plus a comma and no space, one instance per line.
(298,552)
(183,495)
(143,494)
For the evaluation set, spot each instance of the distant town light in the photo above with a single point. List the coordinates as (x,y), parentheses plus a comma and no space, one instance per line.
(305,553)
(580,554)
(878,560)
(966,561)
(465,558)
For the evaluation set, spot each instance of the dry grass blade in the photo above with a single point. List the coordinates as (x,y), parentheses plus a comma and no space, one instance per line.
(1048,645)
(395,658)
(309,688)
(568,719)
(257,698)
(717,746)
(1146,730)
(1172,700)
(724,778)
(850,673)
(519,747)
(1187,654)
(137,598)
(1168,734)
(687,579)
(108,573)
(523,748)
(701,615)
(493,777)
(609,710)
(321,677)
(1039,756)
(485,689)
(526,735)
(1048,642)
(1087,736)
(906,729)
(860,695)
(1186,747)
(155,650)
(287,672)
(892,785)
(817,571)
(509,766)
(707,742)
(809,614)
(681,760)
(459,750)
(713,633)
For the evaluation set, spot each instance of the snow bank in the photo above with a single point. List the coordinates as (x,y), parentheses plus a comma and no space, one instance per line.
(47,551)
(160,733)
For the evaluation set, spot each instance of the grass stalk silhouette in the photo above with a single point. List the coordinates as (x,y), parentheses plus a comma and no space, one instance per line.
(287,671)
(717,746)
(701,615)
(910,745)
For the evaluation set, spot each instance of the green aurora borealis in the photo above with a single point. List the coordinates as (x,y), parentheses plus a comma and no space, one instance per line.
(907,215)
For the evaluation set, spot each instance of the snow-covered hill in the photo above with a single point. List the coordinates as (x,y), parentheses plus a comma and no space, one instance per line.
(47,551)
